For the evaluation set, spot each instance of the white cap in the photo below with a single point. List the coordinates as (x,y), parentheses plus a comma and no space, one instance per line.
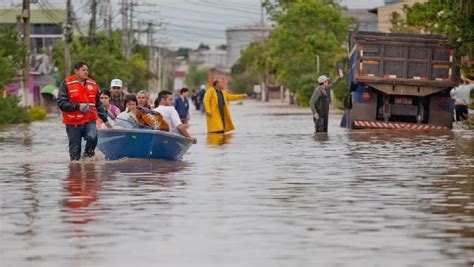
(322,79)
(116,83)
(203,87)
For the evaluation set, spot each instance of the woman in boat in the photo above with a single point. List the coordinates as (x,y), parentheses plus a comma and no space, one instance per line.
(143,99)
(112,110)
(128,118)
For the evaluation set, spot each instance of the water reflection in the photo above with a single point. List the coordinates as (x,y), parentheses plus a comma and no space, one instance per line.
(321,137)
(218,139)
(82,187)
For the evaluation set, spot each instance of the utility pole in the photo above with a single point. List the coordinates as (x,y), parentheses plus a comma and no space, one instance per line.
(26,42)
(150,45)
(159,69)
(265,90)
(130,31)
(105,12)
(68,40)
(108,16)
(92,23)
(125,34)
(19,29)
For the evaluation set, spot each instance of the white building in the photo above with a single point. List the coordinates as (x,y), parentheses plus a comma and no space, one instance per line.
(211,58)
(240,38)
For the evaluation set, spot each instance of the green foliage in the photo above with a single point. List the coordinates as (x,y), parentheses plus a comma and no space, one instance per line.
(195,77)
(36,113)
(340,92)
(106,60)
(242,80)
(250,67)
(453,18)
(12,55)
(11,112)
(203,47)
(184,52)
(307,29)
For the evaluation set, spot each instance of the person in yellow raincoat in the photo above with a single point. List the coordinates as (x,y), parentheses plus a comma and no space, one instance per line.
(216,104)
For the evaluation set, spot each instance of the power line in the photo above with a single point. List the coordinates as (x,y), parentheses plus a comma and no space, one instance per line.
(221,6)
(201,11)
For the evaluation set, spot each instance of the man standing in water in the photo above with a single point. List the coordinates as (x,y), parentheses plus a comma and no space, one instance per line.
(216,105)
(319,103)
(78,99)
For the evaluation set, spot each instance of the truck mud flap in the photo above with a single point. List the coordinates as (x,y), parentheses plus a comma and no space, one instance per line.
(396,125)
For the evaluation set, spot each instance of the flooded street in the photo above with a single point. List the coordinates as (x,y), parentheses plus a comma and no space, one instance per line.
(269,194)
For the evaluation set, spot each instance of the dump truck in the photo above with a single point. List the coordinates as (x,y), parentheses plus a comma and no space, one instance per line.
(400,81)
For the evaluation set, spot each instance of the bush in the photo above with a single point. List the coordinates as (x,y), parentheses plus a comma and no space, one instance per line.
(36,113)
(340,91)
(11,112)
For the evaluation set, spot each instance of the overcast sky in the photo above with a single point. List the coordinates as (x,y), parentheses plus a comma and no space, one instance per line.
(185,22)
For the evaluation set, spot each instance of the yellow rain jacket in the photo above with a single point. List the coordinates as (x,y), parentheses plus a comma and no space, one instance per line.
(214,120)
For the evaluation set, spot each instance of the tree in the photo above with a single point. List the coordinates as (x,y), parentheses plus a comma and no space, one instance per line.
(106,61)
(12,55)
(248,69)
(184,52)
(305,30)
(195,77)
(452,18)
(221,47)
(203,47)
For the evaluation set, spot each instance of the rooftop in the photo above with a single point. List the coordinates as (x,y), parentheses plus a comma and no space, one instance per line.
(251,27)
(38,16)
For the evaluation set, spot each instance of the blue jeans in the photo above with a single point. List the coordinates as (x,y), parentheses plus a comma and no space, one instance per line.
(88,131)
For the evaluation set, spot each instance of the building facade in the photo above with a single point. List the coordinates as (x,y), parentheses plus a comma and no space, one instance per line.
(384,13)
(240,38)
(210,58)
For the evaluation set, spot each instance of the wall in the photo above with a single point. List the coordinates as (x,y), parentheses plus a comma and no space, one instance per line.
(239,39)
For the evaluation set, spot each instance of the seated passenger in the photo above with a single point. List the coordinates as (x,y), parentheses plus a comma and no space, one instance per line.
(143,99)
(112,110)
(170,115)
(128,118)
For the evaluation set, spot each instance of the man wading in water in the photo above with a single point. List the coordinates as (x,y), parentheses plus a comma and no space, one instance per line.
(216,104)
(319,103)
(79,102)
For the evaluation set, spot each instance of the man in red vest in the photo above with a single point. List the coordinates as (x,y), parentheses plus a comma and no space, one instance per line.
(79,102)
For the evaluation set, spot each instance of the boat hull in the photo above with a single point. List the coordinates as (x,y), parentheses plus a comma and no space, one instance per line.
(137,143)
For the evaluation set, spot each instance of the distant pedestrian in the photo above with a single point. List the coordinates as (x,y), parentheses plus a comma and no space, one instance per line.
(118,95)
(195,99)
(319,103)
(202,92)
(79,102)
(216,104)
(181,104)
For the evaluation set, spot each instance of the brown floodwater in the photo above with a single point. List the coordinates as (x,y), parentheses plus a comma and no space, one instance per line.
(269,194)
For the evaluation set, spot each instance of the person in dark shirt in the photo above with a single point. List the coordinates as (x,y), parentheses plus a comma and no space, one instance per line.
(181,104)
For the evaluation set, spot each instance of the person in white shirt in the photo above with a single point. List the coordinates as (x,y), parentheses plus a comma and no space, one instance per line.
(462,98)
(164,106)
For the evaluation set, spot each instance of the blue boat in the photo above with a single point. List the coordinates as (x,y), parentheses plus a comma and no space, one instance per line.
(142,143)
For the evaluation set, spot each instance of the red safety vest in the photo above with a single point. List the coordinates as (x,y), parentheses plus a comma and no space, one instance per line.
(81,94)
